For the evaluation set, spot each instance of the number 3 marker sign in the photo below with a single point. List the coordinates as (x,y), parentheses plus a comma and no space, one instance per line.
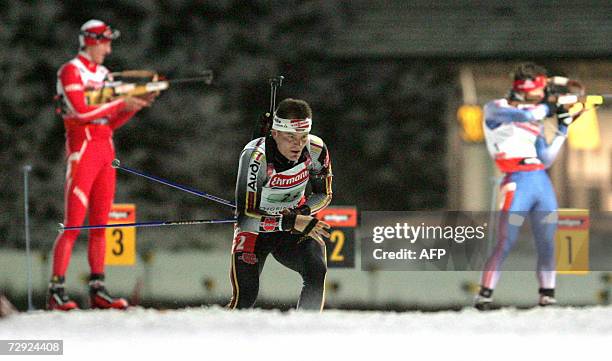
(121,242)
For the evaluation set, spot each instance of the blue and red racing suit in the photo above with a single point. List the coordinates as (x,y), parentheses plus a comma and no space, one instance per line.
(515,140)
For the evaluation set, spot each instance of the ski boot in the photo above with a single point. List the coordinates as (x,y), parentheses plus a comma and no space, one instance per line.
(484,299)
(547,297)
(58,299)
(99,296)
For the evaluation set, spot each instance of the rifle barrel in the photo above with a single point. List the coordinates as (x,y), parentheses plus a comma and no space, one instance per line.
(205,78)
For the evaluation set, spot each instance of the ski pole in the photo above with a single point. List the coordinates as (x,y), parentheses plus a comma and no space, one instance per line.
(62,228)
(117,164)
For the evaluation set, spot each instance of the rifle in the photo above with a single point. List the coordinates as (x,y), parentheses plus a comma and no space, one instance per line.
(114,89)
(571,94)
(565,91)
(264,123)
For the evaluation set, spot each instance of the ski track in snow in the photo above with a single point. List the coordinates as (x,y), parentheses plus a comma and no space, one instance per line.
(212,332)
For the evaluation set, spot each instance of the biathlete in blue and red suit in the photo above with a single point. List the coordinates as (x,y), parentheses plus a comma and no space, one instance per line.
(275,216)
(90,179)
(515,139)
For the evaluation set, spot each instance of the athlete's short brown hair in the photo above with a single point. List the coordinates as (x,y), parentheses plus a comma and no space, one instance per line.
(528,70)
(293,109)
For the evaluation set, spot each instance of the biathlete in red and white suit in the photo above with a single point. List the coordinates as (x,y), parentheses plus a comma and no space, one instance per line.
(90,179)
(514,135)
(274,213)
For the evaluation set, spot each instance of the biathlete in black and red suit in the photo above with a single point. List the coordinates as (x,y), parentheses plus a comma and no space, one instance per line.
(275,215)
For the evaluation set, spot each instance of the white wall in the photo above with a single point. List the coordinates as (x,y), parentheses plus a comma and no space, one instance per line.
(180,276)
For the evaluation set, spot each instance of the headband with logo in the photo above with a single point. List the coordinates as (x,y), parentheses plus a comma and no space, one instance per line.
(95,31)
(291,125)
(527,85)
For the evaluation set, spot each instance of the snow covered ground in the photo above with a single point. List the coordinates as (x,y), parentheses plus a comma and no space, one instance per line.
(216,334)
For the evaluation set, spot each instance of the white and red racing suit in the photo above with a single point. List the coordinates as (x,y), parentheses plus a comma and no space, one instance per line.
(90,179)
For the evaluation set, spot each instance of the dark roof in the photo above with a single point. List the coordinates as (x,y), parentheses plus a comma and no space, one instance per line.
(476,29)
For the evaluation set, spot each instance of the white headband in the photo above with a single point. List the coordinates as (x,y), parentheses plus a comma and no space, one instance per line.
(291,125)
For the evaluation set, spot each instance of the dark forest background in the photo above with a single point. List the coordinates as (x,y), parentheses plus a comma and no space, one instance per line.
(382,119)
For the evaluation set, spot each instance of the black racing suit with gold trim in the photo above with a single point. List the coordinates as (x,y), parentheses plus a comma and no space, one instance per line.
(267,184)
